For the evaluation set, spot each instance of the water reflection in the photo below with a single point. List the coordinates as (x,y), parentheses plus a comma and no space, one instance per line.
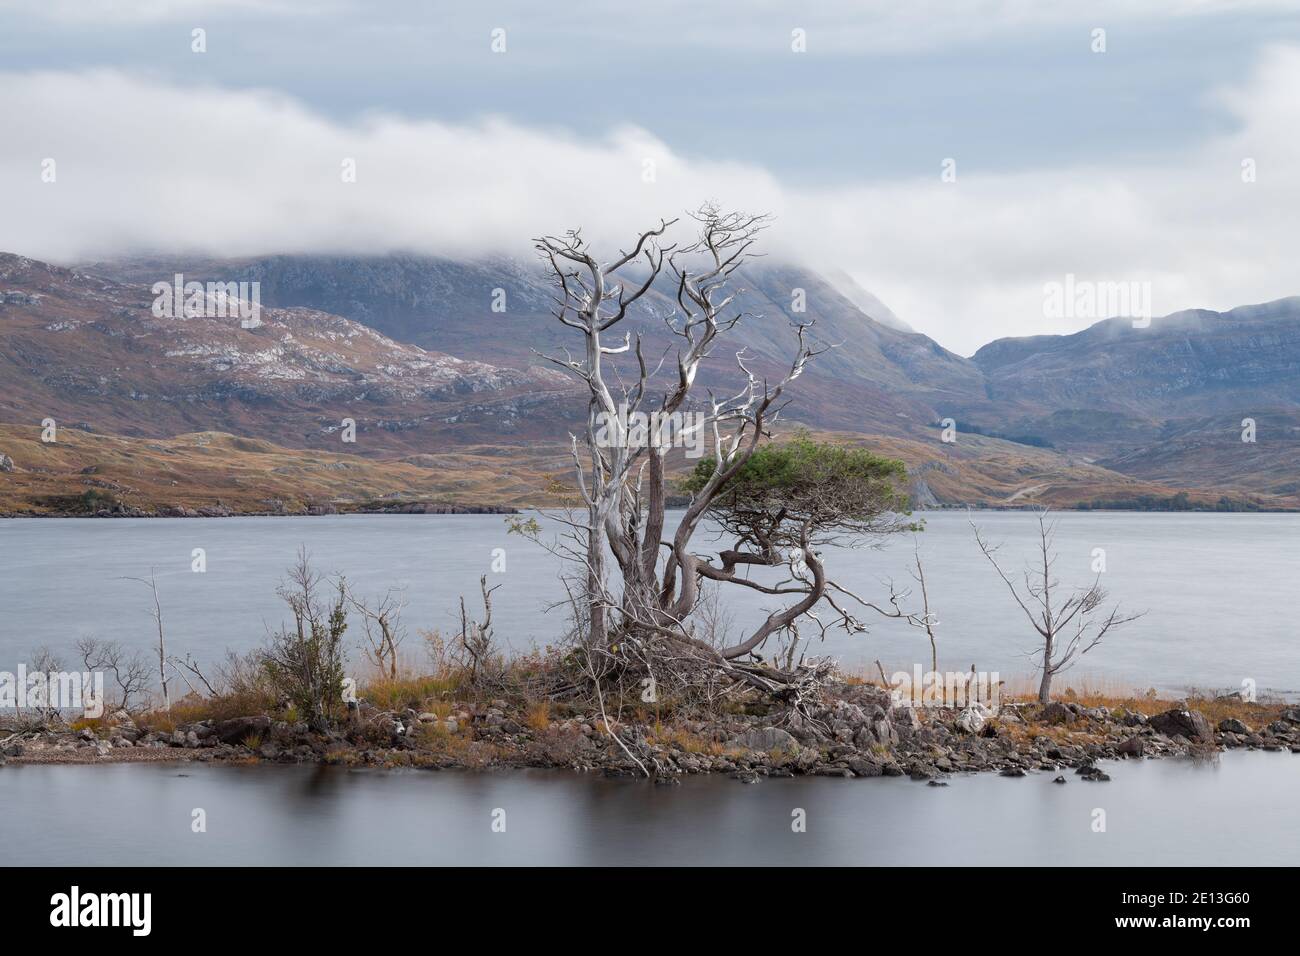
(1239,811)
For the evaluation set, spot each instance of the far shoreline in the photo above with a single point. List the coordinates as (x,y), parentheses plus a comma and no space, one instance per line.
(492,509)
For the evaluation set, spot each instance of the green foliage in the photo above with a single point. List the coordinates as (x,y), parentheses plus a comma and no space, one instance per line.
(1178,502)
(305,663)
(527,527)
(801,481)
(967,428)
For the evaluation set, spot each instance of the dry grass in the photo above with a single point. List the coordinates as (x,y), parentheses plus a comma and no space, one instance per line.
(200,469)
(460,748)
(538,715)
(1254,715)
(206,468)
(673,737)
(420,692)
(1101,691)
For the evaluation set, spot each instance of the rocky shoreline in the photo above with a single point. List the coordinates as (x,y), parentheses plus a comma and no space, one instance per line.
(859,734)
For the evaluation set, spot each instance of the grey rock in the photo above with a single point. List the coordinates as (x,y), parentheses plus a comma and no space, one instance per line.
(1133,747)
(766,739)
(864,767)
(237,729)
(1181,722)
(970,720)
(1056,713)
(1232,725)
(904,719)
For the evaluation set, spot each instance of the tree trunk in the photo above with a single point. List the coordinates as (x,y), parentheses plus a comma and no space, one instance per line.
(597,630)
(1045,685)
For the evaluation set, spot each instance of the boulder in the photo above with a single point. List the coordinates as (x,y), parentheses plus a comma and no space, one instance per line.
(904,719)
(864,767)
(1233,726)
(6,463)
(765,739)
(1056,713)
(885,732)
(237,729)
(970,721)
(1181,722)
(1133,747)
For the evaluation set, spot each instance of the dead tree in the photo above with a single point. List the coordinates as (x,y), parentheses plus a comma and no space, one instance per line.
(156,613)
(1069,621)
(622,481)
(129,669)
(927,620)
(44,661)
(382,623)
(476,645)
(188,667)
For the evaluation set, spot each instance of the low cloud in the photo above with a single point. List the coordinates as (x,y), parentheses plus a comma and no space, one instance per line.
(142,165)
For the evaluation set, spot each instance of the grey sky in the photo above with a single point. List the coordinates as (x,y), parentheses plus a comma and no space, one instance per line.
(1004,95)
(851,132)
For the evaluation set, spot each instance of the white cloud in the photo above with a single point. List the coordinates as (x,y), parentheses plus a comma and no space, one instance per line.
(143,165)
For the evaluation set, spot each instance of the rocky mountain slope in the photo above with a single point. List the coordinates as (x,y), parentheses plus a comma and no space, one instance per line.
(1186,364)
(878,379)
(1170,402)
(86,350)
(411,349)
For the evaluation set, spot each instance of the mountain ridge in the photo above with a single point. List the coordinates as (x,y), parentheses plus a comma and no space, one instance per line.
(1159,405)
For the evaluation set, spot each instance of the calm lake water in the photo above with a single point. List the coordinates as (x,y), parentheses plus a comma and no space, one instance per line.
(1237,812)
(1214,587)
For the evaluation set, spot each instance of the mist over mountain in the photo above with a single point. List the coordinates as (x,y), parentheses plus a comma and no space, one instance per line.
(876,377)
